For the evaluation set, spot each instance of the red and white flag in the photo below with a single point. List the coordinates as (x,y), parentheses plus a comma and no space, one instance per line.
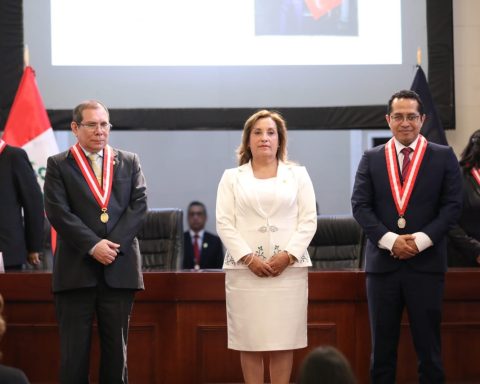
(28,125)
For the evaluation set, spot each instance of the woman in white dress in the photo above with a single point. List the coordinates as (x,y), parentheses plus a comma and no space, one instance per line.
(266,218)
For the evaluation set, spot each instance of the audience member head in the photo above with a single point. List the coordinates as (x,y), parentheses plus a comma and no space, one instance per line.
(197,216)
(470,156)
(326,365)
(244,152)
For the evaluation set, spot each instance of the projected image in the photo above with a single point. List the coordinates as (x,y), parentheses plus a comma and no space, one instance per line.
(306,17)
(227,33)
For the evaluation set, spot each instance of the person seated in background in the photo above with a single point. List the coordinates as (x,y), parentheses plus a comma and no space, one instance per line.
(202,249)
(326,365)
(9,375)
(464,239)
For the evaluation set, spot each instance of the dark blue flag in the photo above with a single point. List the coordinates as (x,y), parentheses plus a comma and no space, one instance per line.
(432,128)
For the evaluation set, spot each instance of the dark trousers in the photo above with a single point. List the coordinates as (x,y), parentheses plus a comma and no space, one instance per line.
(422,295)
(76,310)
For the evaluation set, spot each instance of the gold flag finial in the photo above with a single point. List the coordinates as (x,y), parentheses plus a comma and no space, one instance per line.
(26,56)
(419,56)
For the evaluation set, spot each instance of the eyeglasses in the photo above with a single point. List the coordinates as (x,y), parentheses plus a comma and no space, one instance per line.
(397,118)
(92,126)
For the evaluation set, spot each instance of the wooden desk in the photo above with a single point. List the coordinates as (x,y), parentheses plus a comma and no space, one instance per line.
(178,327)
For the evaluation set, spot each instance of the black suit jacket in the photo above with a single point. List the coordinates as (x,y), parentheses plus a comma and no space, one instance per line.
(75,215)
(211,252)
(464,239)
(19,189)
(434,207)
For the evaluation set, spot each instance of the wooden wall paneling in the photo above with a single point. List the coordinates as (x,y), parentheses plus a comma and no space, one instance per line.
(178,327)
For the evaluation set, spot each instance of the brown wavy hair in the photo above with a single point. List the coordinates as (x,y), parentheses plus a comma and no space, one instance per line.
(470,156)
(244,154)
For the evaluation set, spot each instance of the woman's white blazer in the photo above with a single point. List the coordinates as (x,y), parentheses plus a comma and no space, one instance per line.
(245,227)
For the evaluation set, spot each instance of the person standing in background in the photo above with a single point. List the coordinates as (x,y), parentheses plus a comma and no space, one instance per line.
(266,218)
(202,249)
(95,198)
(407,196)
(21,209)
(464,239)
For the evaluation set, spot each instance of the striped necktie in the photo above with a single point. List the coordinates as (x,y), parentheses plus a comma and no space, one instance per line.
(96,169)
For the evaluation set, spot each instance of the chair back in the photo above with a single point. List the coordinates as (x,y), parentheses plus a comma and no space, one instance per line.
(161,239)
(338,243)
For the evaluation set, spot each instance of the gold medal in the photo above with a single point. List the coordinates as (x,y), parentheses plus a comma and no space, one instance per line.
(104,217)
(401,222)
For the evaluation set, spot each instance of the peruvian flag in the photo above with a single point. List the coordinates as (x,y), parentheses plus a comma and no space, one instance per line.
(318,8)
(28,125)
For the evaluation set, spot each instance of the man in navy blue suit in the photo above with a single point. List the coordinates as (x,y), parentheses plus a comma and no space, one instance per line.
(407,195)
(203,250)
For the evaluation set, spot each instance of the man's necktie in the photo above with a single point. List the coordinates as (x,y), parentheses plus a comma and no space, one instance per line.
(196,249)
(406,161)
(96,169)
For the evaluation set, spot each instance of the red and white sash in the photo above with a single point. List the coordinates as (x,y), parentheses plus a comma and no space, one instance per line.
(101,194)
(476,174)
(401,193)
(2,145)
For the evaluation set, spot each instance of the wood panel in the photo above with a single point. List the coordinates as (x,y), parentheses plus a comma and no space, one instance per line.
(178,327)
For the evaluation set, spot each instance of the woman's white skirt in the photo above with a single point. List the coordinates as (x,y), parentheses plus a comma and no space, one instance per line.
(266,313)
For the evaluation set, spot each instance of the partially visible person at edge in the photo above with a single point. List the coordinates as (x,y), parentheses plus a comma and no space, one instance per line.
(21,209)
(326,365)
(9,375)
(266,218)
(464,239)
(407,196)
(95,198)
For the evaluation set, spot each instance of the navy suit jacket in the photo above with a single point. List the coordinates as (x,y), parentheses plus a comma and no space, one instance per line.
(75,215)
(19,190)
(434,207)
(211,252)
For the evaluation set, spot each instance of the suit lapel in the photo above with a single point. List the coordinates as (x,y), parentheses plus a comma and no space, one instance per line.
(115,163)
(246,181)
(283,180)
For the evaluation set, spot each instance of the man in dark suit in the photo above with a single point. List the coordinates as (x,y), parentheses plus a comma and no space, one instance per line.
(203,250)
(21,235)
(406,219)
(96,207)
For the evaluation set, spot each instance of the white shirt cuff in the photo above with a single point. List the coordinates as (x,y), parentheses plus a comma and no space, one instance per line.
(422,241)
(387,241)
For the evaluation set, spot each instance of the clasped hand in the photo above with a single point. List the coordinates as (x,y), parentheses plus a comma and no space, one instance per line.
(271,268)
(106,251)
(404,247)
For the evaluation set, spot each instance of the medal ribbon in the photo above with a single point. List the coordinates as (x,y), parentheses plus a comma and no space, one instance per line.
(401,193)
(2,145)
(102,195)
(476,174)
